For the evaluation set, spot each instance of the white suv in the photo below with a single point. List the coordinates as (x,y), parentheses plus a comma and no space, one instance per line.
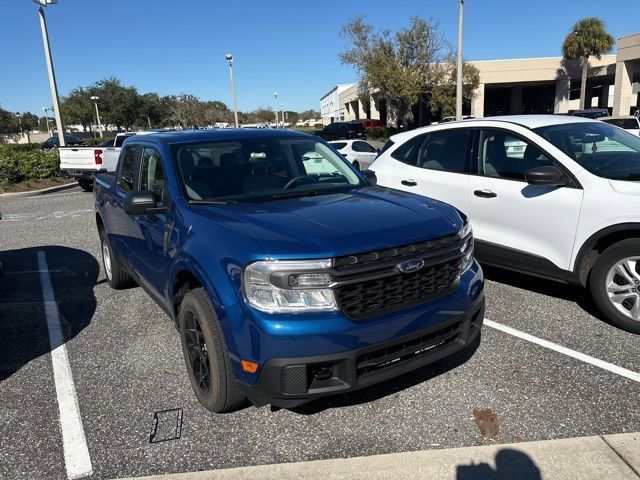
(553,196)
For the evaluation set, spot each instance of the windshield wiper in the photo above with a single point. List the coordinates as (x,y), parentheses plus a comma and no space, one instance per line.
(211,202)
(292,194)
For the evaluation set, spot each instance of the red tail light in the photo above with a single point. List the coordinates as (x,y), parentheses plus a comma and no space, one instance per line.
(97,155)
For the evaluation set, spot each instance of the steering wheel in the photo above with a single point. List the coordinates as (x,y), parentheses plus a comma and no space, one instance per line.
(300,180)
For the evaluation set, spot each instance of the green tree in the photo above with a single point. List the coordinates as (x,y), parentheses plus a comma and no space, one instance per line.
(401,66)
(442,98)
(119,105)
(78,108)
(8,122)
(588,38)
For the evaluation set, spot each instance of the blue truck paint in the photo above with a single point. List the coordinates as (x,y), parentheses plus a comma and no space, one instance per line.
(214,243)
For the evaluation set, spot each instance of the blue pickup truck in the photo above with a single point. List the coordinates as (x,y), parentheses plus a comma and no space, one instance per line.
(290,275)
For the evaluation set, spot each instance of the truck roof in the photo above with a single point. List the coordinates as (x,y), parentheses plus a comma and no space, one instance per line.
(214,134)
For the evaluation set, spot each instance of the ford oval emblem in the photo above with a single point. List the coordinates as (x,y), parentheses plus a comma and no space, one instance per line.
(409,266)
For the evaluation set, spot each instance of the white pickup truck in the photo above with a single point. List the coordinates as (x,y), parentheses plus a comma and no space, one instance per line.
(84,163)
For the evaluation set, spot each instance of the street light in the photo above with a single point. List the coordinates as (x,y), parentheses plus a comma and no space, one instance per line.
(52,77)
(459,68)
(275,95)
(20,122)
(46,119)
(95,102)
(229,58)
(282,110)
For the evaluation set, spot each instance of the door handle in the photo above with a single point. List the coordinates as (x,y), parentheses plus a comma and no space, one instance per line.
(485,193)
(409,182)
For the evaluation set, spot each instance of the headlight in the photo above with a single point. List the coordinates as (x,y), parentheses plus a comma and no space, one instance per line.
(466,233)
(289,286)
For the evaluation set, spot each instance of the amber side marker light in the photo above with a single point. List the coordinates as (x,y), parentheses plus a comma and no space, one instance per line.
(249,367)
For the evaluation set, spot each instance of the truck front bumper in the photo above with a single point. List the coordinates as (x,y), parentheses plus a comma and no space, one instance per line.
(289,382)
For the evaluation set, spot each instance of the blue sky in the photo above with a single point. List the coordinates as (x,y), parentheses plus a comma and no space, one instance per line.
(280,45)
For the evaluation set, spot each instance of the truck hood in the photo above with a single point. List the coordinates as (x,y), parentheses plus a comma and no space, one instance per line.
(363,219)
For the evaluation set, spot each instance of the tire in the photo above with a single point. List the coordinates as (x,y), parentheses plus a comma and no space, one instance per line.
(86,184)
(613,276)
(203,344)
(117,277)
(356,164)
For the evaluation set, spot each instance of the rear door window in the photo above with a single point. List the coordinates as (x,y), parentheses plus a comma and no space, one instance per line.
(444,150)
(363,147)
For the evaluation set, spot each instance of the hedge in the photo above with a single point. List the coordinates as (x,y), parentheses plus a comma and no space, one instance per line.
(20,162)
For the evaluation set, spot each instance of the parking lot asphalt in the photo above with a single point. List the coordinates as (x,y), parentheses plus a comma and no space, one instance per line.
(124,355)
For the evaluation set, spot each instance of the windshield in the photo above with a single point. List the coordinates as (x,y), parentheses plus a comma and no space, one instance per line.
(603,150)
(257,169)
(626,123)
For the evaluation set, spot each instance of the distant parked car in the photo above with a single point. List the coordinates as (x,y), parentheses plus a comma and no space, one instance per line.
(590,113)
(342,131)
(629,123)
(371,123)
(54,142)
(360,153)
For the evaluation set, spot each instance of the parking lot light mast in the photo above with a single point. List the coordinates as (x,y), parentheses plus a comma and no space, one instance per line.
(52,77)
(46,119)
(275,95)
(282,110)
(229,58)
(459,67)
(95,102)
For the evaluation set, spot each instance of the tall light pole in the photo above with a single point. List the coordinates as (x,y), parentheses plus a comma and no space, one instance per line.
(229,58)
(282,110)
(46,119)
(459,72)
(20,122)
(95,102)
(52,77)
(275,95)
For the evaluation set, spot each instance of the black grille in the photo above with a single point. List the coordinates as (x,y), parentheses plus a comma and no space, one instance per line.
(407,350)
(397,253)
(371,297)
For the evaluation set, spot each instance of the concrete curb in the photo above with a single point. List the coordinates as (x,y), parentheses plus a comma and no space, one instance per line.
(614,457)
(44,191)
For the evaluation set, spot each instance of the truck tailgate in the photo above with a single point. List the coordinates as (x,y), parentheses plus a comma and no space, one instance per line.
(82,158)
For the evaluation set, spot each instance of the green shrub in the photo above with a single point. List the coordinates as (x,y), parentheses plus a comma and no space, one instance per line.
(380,133)
(8,148)
(16,166)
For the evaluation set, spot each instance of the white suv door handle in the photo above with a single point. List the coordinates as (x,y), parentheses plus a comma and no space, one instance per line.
(409,182)
(485,193)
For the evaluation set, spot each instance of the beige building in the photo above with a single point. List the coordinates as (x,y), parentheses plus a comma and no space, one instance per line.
(532,85)
(548,85)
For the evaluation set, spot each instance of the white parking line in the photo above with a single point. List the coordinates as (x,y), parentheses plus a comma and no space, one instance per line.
(610,367)
(74,443)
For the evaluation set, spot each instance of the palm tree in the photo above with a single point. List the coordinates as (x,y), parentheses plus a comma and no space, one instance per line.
(588,38)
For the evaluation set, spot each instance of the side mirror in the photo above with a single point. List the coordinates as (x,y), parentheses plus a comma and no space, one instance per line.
(141,202)
(369,177)
(546,175)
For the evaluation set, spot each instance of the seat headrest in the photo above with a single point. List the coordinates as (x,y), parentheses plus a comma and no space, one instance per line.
(205,162)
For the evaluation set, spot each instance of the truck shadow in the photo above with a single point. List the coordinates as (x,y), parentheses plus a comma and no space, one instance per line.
(23,323)
(572,293)
(391,386)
